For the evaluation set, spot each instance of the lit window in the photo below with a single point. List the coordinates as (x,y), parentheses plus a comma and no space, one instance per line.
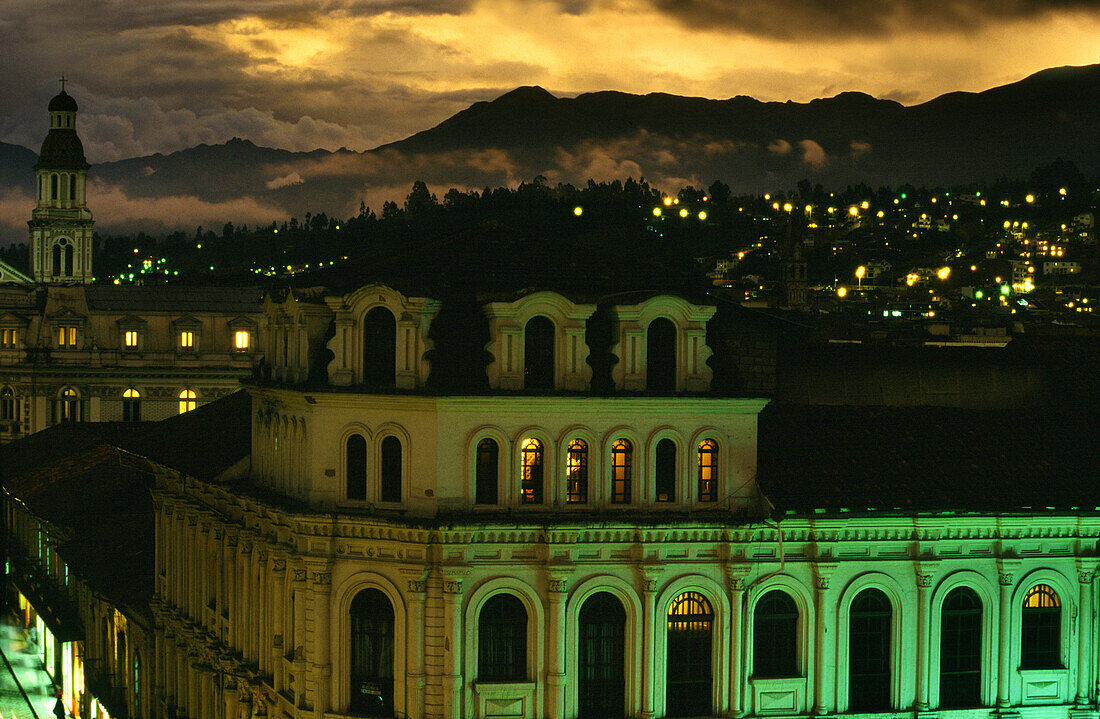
(708,470)
(187,400)
(9,409)
(621,455)
(8,338)
(1041,628)
(66,337)
(130,339)
(241,340)
(689,650)
(576,472)
(68,406)
(187,339)
(131,405)
(530,491)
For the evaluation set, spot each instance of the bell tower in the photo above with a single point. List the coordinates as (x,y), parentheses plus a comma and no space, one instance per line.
(61,224)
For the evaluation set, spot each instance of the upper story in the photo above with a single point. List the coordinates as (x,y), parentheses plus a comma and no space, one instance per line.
(377,339)
(85,326)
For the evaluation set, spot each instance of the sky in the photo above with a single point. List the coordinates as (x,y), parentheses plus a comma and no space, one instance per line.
(164,75)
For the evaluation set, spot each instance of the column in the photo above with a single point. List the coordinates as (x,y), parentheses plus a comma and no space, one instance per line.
(244,593)
(278,639)
(262,615)
(555,648)
(737,632)
(414,646)
(230,599)
(1084,635)
(1006,581)
(453,641)
(924,618)
(824,664)
(321,589)
(649,596)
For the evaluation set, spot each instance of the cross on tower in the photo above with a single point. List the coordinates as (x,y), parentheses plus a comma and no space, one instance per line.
(62,82)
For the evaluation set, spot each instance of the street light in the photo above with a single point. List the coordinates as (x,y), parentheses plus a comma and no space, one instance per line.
(860,272)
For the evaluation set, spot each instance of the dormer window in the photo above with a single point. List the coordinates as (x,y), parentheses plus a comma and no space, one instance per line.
(9,338)
(242,340)
(66,337)
(187,340)
(130,339)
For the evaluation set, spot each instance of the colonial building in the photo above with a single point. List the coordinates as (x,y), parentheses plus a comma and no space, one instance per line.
(75,351)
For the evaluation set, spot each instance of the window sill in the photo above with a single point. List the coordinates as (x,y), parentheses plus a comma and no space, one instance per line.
(1045,686)
(778,695)
(505,699)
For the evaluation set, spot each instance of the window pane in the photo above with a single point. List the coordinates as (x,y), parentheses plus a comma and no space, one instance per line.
(1041,629)
(486,483)
(661,356)
(775,636)
(531,472)
(372,652)
(708,471)
(241,340)
(576,472)
(355,467)
(666,470)
(869,652)
(379,348)
(538,354)
(391,469)
(960,649)
(502,640)
(621,457)
(689,650)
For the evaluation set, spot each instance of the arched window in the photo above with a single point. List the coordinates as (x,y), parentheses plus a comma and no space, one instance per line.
(372,645)
(390,461)
(379,349)
(57,259)
(708,470)
(690,624)
(355,467)
(961,649)
(53,187)
(131,405)
(869,652)
(775,636)
(488,455)
(576,472)
(9,408)
(601,686)
(137,685)
(1041,629)
(187,400)
(660,372)
(502,640)
(538,354)
(69,408)
(72,187)
(530,489)
(666,470)
(67,261)
(622,454)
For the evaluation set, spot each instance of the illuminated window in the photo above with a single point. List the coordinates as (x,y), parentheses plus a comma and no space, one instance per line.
(775,636)
(68,407)
(131,405)
(708,470)
(130,339)
(961,649)
(666,470)
(486,480)
(9,408)
(390,460)
(1041,629)
(241,340)
(9,338)
(869,652)
(355,467)
(576,472)
(621,455)
(66,337)
(502,640)
(530,491)
(187,339)
(689,649)
(187,400)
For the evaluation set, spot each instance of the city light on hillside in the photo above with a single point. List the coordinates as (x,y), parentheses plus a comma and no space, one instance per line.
(578,210)
(943,273)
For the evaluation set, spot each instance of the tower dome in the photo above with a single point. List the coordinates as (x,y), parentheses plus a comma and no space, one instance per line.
(62,102)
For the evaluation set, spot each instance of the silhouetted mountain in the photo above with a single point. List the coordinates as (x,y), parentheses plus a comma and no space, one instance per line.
(670,140)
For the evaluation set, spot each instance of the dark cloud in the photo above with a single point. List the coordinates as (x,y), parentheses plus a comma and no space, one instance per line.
(808,19)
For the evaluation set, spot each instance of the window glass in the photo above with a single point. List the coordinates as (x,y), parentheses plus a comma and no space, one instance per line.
(531,471)
(391,469)
(661,356)
(708,471)
(775,636)
(131,405)
(241,340)
(869,652)
(621,458)
(961,649)
(1041,629)
(355,469)
(8,406)
(187,339)
(666,470)
(538,354)
(486,481)
(130,339)
(689,651)
(576,472)
(372,654)
(502,640)
(187,400)
(379,349)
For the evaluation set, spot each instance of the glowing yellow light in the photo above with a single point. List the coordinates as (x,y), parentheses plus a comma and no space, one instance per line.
(703,215)
(788,206)
(809,209)
(656,211)
(865,204)
(881,214)
(841,292)
(1007,224)
(1030,269)
(1062,191)
(578,210)
(775,205)
(997,280)
(910,280)
(982,203)
(861,272)
(933,200)
(853,210)
(897,201)
(668,201)
(973,268)
(1030,199)
(1024,225)
(767,197)
(954,217)
(135,250)
(832,210)
(943,273)
(683,212)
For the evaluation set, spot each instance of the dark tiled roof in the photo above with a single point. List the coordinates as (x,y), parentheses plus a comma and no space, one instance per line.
(174,300)
(928,459)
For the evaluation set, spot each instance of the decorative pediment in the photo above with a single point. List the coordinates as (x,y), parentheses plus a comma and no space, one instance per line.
(67,316)
(10,274)
(9,320)
(131,322)
(242,323)
(187,322)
